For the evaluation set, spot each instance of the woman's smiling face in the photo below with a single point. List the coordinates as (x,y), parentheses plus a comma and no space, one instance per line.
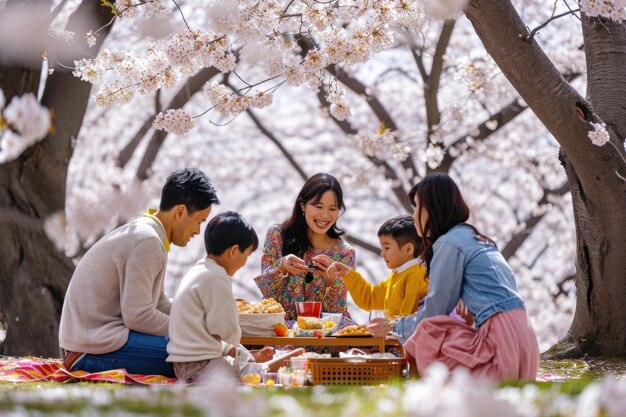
(320,216)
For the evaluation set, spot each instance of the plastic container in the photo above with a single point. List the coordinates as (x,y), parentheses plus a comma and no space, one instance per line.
(309,308)
(270,378)
(299,362)
(334,317)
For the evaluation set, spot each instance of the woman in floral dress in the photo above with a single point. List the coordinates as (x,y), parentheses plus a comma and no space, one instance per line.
(310,236)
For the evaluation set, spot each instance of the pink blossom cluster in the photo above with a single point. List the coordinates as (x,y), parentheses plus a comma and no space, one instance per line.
(128,9)
(599,135)
(339,108)
(175,121)
(228,102)
(23,123)
(191,51)
(291,41)
(382,144)
(612,9)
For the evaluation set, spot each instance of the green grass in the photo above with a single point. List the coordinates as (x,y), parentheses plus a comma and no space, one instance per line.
(89,398)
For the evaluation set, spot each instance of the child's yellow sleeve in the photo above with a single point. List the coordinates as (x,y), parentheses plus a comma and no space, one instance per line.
(365,295)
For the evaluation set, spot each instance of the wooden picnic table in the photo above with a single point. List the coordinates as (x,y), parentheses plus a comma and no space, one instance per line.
(364,341)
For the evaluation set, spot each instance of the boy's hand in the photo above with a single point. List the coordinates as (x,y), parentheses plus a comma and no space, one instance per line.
(336,270)
(263,355)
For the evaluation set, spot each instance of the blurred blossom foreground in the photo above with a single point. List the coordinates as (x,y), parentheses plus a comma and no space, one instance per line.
(437,394)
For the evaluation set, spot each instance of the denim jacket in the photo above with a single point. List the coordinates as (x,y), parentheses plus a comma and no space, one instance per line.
(465,267)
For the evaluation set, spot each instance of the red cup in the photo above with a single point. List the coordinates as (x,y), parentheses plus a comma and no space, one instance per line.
(309,308)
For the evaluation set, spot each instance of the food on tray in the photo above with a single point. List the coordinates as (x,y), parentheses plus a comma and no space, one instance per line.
(265,306)
(353,331)
(281,330)
(309,323)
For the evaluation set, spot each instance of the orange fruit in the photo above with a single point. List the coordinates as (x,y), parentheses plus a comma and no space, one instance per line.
(280,329)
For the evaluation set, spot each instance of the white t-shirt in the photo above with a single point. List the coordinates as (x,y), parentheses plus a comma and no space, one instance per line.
(204,315)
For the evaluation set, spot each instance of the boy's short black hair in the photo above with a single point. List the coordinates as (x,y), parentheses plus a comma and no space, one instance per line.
(227,229)
(188,186)
(403,231)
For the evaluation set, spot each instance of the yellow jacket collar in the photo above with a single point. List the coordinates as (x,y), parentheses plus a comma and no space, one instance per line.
(150,213)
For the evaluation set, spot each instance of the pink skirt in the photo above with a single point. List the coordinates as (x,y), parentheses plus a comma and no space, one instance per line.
(503,348)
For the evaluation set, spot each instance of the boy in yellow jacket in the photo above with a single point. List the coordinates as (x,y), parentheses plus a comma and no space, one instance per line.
(401,291)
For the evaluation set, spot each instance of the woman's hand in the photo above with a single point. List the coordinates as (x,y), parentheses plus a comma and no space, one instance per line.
(379,327)
(323,262)
(291,264)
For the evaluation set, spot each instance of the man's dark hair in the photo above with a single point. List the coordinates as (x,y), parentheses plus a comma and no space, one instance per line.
(228,229)
(188,186)
(402,230)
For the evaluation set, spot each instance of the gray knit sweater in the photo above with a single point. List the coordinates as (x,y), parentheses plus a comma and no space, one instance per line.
(117,286)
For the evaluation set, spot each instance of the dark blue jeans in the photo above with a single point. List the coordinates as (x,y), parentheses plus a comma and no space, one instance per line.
(141,354)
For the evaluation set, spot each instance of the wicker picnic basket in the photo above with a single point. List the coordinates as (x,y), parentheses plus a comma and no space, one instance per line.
(355,371)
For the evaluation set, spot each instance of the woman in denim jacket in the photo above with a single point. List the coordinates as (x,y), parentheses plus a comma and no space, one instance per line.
(464,264)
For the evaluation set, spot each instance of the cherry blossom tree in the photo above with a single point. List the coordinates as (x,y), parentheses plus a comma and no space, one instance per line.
(581,125)
(34,274)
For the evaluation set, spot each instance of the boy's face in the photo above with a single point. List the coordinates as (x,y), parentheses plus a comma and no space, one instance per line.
(394,255)
(240,258)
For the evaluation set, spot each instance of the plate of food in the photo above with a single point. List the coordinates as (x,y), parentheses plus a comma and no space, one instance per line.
(352,331)
(313,327)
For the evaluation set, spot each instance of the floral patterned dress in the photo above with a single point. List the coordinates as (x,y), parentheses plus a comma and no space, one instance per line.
(289,289)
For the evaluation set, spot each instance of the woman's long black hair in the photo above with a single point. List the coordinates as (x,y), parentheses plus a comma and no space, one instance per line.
(439,195)
(294,229)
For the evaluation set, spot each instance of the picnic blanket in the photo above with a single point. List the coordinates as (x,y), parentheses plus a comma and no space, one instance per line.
(31,369)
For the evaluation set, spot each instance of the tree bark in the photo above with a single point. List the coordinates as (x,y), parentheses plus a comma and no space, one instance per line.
(598,194)
(33,273)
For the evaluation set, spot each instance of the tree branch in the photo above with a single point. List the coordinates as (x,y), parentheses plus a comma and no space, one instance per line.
(561,284)
(531,35)
(431,87)
(363,244)
(502,117)
(518,239)
(555,102)
(374,103)
(188,90)
(419,62)
(348,129)
(278,144)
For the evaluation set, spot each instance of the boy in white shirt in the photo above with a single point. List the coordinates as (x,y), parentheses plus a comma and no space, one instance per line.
(204,322)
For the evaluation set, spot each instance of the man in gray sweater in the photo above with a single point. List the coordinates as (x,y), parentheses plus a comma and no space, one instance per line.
(116,312)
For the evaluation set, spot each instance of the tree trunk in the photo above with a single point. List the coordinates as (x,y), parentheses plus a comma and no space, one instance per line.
(33,273)
(598,194)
